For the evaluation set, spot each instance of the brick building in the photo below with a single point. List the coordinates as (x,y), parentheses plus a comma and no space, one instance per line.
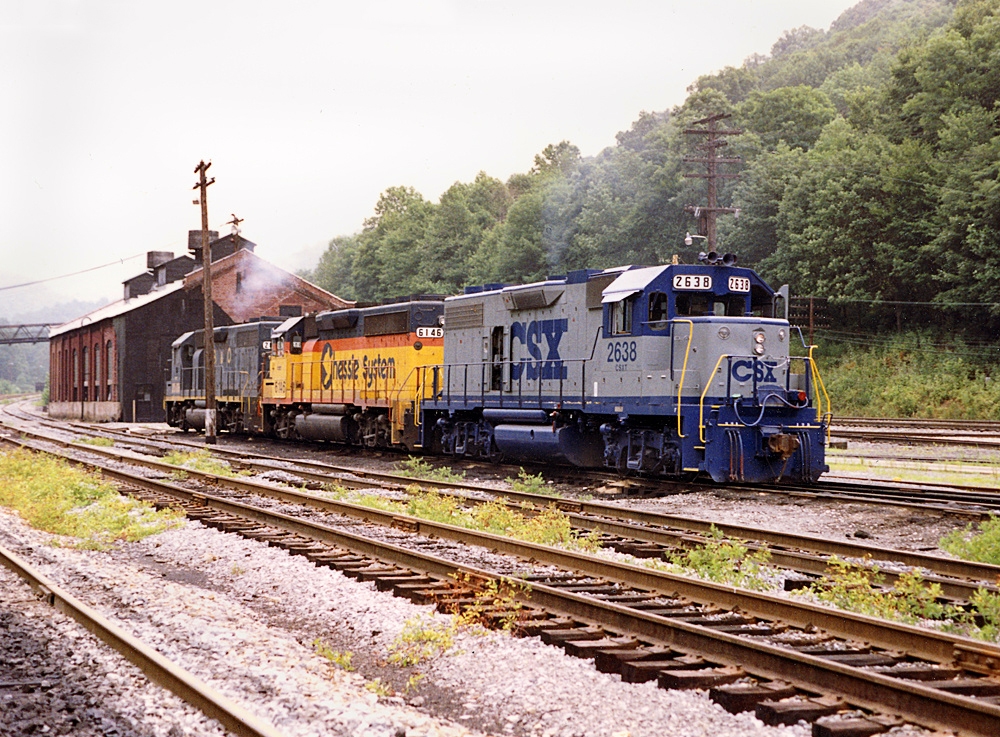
(111,363)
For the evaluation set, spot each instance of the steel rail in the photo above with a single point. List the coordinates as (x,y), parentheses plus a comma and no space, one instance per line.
(926,643)
(916,439)
(601,517)
(908,422)
(157,668)
(923,704)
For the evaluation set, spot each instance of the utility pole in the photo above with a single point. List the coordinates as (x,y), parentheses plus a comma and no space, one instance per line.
(206,289)
(713,142)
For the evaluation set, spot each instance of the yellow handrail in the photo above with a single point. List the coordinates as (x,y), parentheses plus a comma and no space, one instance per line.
(680,385)
(701,402)
(818,381)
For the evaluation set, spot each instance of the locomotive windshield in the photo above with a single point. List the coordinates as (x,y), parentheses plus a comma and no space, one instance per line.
(697,304)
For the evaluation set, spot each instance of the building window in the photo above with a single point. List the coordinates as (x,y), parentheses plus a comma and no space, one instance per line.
(239,282)
(109,374)
(97,372)
(86,374)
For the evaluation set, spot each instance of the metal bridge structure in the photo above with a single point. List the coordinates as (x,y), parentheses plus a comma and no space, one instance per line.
(15,334)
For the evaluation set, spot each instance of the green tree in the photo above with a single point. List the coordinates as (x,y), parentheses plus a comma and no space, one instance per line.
(794,115)
(335,270)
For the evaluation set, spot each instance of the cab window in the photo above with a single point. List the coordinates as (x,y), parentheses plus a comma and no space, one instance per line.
(621,317)
(658,311)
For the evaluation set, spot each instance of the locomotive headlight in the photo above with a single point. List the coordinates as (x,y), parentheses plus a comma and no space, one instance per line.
(758,338)
(724,333)
(758,349)
(781,335)
(758,343)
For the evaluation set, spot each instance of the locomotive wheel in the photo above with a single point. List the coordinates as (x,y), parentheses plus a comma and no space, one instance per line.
(494,454)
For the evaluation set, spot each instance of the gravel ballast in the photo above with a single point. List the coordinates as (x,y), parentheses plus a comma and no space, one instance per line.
(244,617)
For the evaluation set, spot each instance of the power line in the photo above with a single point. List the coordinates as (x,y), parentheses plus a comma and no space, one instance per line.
(75,273)
(921,304)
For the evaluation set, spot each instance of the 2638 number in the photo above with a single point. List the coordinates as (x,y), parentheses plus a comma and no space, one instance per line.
(621,351)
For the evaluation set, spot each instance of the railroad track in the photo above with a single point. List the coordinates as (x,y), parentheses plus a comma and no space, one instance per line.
(157,668)
(651,625)
(640,533)
(910,424)
(969,501)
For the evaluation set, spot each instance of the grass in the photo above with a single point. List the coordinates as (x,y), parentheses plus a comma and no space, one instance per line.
(340,659)
(980,544)
(495,604)
(544,527)
(421,639)
(527,483)
(54,496)
(418,468)
(98,442)
(860,589)
(201,460)
(721,560)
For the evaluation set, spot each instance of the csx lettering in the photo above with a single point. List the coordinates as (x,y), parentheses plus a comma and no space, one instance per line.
(532,335)
(761,371)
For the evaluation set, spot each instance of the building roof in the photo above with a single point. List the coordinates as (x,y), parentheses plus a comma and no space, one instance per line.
(117,308)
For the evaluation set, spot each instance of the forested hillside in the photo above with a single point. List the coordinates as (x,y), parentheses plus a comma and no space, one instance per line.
(869,176)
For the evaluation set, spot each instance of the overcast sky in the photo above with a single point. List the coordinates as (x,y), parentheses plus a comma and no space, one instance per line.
(308,110)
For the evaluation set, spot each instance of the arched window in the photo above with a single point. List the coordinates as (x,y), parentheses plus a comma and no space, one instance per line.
(97,372)
(76,377)
(109,376)
(86,374)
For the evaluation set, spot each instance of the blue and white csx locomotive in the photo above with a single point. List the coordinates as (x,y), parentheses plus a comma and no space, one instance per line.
(665,370)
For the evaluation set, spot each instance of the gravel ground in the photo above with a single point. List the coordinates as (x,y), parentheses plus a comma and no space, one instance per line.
(244,617)
(885,526)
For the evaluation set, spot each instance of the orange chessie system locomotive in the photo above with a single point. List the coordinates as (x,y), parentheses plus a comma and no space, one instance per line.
(347,376)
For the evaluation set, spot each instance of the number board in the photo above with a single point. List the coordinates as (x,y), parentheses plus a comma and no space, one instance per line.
(691,282)
(739,284)
(430,332)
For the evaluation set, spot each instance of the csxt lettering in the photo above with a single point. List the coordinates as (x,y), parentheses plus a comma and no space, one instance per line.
(760,371)
(536,336)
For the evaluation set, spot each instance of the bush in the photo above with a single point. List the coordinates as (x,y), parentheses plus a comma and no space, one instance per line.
(911,375)
(981,545)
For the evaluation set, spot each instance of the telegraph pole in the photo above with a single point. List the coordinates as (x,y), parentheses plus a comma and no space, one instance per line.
(713,142)
(206,289)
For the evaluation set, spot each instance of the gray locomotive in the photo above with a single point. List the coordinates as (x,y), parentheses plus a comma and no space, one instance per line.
(666,370)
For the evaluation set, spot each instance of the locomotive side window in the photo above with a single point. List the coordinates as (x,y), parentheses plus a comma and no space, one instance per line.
(621,317)
(658,311)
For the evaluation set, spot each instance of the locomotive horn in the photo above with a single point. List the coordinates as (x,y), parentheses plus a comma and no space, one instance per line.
(713,257)
(729,259)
